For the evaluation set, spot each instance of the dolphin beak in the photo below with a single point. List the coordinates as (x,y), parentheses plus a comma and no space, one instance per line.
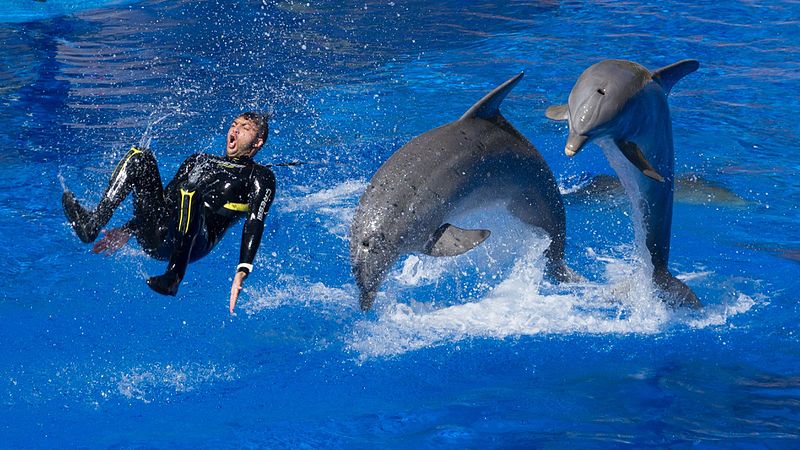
(575,143)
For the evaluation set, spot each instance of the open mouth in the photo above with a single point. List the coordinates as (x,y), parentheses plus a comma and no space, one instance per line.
(231,141)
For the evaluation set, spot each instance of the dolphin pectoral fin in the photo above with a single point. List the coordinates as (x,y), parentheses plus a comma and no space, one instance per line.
(654,175)
(449,240)
(559,112)
(489,106)
(636,157)
(671,74)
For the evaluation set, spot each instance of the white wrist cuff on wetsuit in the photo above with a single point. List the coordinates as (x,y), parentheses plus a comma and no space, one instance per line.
(244,267)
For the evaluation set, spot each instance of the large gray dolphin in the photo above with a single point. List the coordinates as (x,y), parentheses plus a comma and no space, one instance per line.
(479,157)
(623,106)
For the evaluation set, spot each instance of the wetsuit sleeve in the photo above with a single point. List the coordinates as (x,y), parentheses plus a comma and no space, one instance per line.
(260,199)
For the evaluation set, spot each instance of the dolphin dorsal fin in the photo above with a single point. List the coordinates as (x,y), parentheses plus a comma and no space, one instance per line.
(489,106)
(669,75)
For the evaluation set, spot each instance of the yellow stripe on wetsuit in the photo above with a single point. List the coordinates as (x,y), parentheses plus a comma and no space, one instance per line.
(236,206)
(124,160)
(119,176)
(186,205)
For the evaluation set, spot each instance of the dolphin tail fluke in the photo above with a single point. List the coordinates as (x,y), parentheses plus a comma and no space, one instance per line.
(489,106)
(562,273)
(678,293)
(671,74)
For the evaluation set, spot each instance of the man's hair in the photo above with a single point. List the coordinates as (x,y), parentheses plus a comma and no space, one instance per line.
(261,121)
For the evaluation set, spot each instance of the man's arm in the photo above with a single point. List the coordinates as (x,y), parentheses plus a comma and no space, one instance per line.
(259,202)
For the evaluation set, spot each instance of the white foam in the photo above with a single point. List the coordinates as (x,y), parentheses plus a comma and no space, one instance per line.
(156,380)
(715,315)
(691,276)
(290,290)
(524,304)
(340,194)
(416,272)
(516,300)
(572,184)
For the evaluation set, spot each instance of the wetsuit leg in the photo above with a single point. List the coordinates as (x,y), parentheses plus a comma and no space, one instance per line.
(190,230)
(137,172)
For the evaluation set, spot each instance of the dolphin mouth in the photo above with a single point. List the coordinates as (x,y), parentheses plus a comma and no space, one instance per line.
(575,143)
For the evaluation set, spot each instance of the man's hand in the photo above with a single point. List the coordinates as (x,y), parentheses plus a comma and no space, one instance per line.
(112,241)
(236,287)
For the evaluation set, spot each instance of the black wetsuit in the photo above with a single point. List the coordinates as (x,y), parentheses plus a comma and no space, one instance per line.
(185,220)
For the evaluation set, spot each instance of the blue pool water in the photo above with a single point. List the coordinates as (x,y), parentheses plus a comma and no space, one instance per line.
(474,351)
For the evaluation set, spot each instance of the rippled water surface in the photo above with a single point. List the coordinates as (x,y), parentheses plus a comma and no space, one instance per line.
(475,351)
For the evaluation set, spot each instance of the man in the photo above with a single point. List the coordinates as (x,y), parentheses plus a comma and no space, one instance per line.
(184,221)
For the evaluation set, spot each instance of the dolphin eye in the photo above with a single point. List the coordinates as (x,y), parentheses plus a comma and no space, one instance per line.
(365,243)
(601,91)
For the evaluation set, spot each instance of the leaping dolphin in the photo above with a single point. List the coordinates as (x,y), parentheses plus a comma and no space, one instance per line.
(623,106)
(479,157)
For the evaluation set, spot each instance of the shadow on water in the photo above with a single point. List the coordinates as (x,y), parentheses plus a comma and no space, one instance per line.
(689,188)
(697,399)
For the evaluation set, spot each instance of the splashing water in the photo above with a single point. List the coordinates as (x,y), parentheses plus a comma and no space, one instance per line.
(525,304)
(147,136)
(158,381)
(428,301)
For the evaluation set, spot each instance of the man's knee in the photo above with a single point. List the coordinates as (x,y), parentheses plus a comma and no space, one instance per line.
(143,158)
(141,163)
(135,160)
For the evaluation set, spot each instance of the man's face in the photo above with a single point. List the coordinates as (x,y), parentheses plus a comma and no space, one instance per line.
(243,138)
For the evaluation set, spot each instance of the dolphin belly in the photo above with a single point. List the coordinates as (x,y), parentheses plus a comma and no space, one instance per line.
(651,206)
